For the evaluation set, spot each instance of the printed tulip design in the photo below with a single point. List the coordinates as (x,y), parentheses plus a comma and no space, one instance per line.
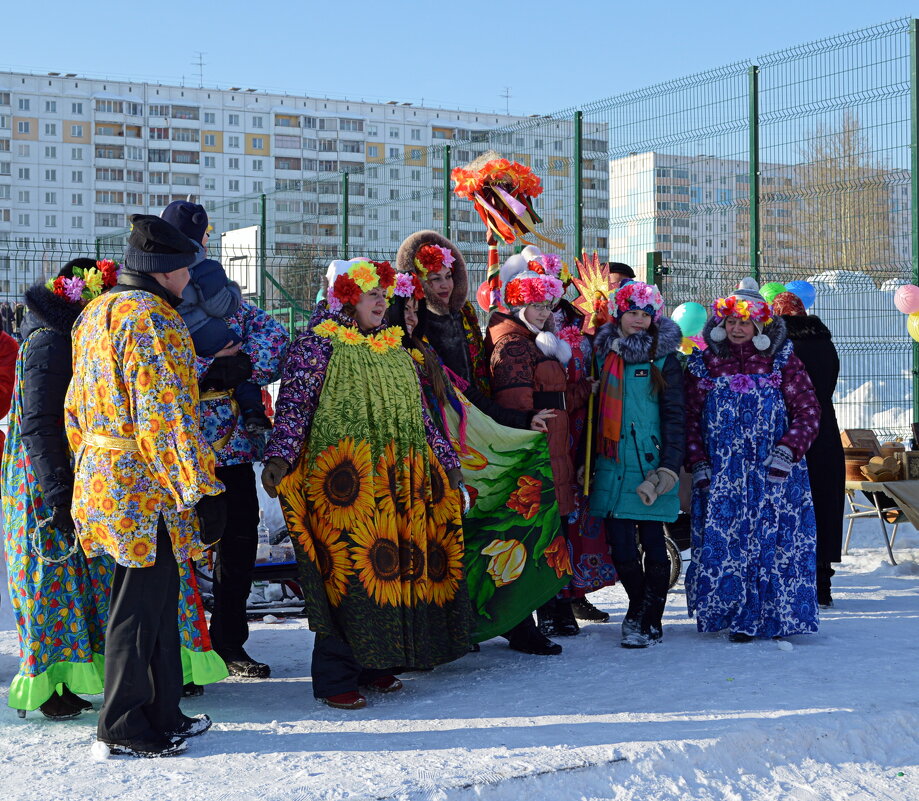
(507,560)
(526,498)
(557,556)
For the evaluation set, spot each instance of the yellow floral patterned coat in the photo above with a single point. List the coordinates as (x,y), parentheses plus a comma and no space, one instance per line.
(132,422)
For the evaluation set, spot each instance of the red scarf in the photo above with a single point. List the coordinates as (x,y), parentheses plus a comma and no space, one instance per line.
(611,406)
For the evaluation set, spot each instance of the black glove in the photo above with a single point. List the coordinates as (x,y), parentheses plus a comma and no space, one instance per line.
(274,470)
(212,517)
(227,372)
(62,521)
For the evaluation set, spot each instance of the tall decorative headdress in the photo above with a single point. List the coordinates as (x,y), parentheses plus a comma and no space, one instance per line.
(86,283)
(348,280)
(745,303)
(637,296)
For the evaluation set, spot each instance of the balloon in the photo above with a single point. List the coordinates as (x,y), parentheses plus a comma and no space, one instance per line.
(483,296)
(808,293)
(912,325)
(770,290)
(906,299)
(690,317)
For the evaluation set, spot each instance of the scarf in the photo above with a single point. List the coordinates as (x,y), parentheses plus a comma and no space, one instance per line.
(611,405)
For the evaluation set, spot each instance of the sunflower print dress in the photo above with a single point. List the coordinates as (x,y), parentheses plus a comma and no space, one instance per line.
(377,530)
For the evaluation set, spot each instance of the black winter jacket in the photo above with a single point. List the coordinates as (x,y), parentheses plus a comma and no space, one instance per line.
(47,370)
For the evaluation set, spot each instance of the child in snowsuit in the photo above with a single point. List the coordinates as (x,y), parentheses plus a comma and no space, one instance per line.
(641,444)
(207,301)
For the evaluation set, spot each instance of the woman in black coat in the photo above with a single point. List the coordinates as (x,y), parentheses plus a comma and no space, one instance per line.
(813,344)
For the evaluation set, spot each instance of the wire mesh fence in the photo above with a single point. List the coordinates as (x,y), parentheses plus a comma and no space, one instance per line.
(792,165)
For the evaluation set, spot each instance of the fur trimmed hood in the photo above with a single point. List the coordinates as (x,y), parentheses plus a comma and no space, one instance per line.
(776,332)
(636,348)
(47,310)
(405,264)
(806,327)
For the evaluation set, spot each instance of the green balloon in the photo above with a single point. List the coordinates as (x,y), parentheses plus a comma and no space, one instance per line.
(770,290)
(690,317)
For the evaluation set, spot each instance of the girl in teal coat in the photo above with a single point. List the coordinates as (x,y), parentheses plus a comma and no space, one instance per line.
(641,442)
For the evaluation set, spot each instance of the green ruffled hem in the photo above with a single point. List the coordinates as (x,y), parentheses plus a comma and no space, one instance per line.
(202,667)
(83,678)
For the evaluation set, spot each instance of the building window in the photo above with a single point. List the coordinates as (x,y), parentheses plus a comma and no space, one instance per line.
(23,150)
(210,161)
(24,126)
(184,113)
(24,219)
(50,221)
(233,141)
(394,214)
(184,135)
(159,110)
(258,122)
(258,165)
(24,174)
(394,152)
(210,118)
(76,177)
(258,186)
(416,134)
(24,196)
(76,199)
(134,110)
(373,151)
(210,184)
(76,108)
(258,143)
(76,222)
(134,152)
(50,175)
(51,106)
(393,133)
(393,174)
(352,125)
(23,104)
(210,140)
(233,185)
(76,153)
(233,119)
(50,152)
(50,129)
(76,131)
(233,164)
(109,220)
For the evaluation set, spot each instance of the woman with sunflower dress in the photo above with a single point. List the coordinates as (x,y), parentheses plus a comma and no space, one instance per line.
(368,488)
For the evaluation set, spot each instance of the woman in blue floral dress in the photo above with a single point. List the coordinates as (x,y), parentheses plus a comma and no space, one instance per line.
(751,416)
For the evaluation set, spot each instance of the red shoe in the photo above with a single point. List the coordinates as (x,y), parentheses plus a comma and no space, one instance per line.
(385,684)
(350,700)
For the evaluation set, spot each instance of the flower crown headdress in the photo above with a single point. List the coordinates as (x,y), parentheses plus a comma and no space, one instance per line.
(349,280)
(87,283)
(745,303)
(637,296)
(432,259)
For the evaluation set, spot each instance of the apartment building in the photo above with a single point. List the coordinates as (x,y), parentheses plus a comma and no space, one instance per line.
(78,155)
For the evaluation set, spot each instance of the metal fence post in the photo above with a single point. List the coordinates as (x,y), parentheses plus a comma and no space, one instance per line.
(654,268)
(914,184)
(98,249)
(578,187)
(753,73)
(447,191)
(263,250)
(344,216)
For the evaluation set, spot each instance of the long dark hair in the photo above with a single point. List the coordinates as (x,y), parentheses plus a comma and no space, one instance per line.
(395,315)
(658,382)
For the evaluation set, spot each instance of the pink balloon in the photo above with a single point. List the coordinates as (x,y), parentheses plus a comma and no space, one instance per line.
(906,299)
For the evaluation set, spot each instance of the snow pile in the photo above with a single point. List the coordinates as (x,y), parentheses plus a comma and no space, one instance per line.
(835,716)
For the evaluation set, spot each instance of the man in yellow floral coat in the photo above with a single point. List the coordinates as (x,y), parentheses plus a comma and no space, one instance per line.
(145,490)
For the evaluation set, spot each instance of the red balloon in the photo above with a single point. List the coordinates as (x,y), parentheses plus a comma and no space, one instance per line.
(483,296)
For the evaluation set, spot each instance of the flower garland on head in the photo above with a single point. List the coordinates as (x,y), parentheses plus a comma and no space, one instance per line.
(637,296)
(530,287)
(361,276)
(408,285)
(432,259)
(87,283)
(757,311)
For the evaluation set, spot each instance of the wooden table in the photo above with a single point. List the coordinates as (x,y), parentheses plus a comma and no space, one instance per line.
(857,510)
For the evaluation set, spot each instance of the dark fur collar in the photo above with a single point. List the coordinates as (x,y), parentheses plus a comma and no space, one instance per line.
(50,310)
(636,349)
(809,327)
(775,331)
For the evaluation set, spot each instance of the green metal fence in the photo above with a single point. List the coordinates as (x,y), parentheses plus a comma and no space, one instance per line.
(799,164)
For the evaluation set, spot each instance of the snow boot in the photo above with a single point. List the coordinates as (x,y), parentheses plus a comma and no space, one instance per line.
(825,572)
(527,639)
(190,726)
(632,577)
(146,748)
(556,618)
(657,582)
(585,610)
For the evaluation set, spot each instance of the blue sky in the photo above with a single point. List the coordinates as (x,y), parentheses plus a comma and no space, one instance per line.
(549,54)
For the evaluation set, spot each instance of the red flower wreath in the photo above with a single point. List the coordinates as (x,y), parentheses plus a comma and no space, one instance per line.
(346,290)
(386,273)
(431,258)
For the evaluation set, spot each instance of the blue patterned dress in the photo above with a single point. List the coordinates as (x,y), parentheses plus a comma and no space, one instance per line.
(60,609)
(753,568)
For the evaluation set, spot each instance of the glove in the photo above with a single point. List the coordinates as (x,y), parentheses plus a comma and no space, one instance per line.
(62,521)
(701,476)
(779,464)
(227,372)
(647,491)
(212,517)
(666,480)
(455,477)
(274,470)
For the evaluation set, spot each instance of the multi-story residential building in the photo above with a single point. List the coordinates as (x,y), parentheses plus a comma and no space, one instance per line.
(78,155)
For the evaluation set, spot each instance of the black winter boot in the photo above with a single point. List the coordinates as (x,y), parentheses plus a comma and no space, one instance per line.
(585,610)
(527,639)
(657,582)
(825,572)
(556,618)
(632,577)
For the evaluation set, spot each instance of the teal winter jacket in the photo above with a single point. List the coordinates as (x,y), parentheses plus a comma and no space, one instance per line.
(653,424)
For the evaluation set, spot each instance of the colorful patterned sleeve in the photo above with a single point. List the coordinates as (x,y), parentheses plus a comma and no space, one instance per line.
(159,373)
(265,341)
(301,384)
(695,403)
(803,408)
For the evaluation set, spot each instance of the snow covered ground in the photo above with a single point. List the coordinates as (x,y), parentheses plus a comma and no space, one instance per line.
(835,716)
